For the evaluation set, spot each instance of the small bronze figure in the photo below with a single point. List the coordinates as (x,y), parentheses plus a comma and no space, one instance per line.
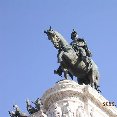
(17,112)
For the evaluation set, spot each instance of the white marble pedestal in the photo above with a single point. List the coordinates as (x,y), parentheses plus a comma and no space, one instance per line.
(68,99)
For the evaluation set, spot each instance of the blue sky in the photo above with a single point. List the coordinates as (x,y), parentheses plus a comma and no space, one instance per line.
(27,58)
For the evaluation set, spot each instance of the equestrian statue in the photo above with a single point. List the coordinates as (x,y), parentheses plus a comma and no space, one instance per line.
(74,59)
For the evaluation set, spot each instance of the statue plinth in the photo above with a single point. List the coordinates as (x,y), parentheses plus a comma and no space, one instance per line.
(69,99)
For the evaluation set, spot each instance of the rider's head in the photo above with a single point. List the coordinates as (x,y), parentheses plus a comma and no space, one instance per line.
(74,35)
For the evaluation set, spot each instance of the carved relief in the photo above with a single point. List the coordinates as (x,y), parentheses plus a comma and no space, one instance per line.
(67,111)
(49,114)
(55,111)
(80,111)
(92,113)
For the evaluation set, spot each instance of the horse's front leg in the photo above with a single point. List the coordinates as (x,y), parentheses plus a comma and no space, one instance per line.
(65,73)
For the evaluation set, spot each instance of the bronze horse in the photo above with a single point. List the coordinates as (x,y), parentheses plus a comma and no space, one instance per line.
(71,63)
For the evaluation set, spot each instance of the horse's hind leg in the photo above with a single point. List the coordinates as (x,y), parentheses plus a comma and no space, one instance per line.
(91,78)
(94,79)
(80,81)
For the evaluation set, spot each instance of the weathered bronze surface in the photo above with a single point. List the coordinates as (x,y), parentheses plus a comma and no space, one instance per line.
(74,58)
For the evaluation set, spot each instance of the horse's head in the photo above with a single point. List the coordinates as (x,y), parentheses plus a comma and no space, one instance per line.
(54,37)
